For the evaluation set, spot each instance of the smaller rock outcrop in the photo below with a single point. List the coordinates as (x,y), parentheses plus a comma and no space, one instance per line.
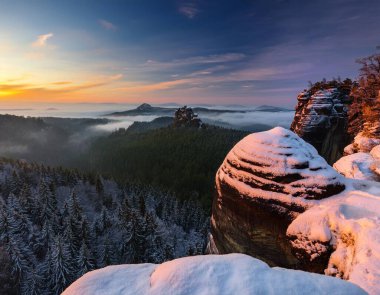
(265,181)
(359,166)
(361,160)
(321,119)
(185,117)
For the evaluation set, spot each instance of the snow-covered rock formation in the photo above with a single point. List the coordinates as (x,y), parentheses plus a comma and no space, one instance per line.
(212,275)
(265,181)
(362,156)
(279,201)
(321,119)
(348,226)
(362,144)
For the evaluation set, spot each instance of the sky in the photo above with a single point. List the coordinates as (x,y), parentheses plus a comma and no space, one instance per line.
(248,52)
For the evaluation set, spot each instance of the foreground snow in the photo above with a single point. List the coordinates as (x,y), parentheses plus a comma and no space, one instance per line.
(212,274)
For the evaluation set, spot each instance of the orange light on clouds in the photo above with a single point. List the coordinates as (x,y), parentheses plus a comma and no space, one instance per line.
(9,92)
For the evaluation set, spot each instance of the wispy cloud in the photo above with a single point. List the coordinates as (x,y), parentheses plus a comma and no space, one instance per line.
(156,86)
(195,60)
(54,89)
(189,9)
(42,40)
(107,25)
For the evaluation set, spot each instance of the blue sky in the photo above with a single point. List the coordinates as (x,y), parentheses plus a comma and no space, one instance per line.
(221,52)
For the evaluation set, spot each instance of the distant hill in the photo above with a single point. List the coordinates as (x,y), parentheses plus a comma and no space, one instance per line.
(147,109)
(161,122)
(267,108)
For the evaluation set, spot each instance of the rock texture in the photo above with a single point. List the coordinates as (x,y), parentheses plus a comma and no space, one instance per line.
(264,183)
(321,119)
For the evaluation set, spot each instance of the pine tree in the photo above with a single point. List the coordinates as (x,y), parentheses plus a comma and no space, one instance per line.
(32,283)
(75,210)
(27,201)
(47,202)
(169,252)
(154,247)
(99,185)
(61,265)
(18,255)
(84,260)
(15,183)
(137,238)
(142,205)
(106,256)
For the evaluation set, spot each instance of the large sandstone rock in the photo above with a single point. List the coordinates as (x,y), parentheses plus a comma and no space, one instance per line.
(321,119)
(264,183)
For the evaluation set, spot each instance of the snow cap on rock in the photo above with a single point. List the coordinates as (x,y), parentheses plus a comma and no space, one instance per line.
(278,163)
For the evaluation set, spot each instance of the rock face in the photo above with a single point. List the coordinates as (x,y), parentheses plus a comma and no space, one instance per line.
(264,183)
(321,119)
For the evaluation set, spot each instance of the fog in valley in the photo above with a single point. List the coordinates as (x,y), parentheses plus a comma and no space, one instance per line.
(61,134)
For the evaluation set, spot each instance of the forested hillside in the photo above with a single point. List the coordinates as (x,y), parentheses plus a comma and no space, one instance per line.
(57,224)
(183,160)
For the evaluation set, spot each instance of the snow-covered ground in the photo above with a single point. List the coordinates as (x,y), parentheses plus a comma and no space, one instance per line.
(357,165)
(350,223)
(211,274)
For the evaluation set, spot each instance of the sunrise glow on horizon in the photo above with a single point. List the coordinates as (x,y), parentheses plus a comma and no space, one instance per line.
(178,51)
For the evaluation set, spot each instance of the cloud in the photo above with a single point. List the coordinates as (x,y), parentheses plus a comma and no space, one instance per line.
(42,40)
(156,86)
(54,89)
(189,9)
(116,77)
(61,83)
(195,60)
(107,25)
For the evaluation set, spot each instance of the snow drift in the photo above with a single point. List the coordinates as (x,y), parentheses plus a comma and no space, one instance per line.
(212,274)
